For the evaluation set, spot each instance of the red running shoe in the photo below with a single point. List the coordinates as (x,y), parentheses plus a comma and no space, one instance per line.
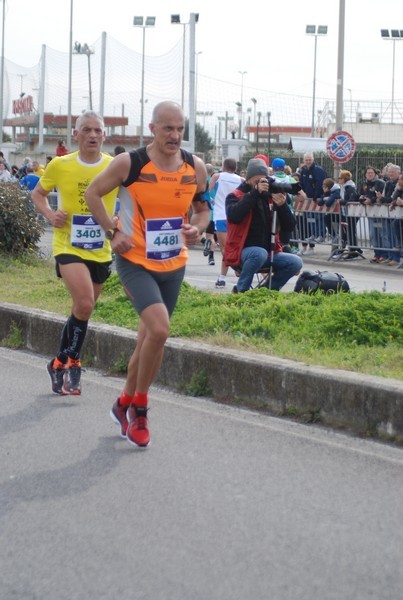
(137,432)
(118,415)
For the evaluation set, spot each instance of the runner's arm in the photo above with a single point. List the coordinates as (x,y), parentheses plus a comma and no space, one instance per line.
(115,173)
(40,198)
(200,210)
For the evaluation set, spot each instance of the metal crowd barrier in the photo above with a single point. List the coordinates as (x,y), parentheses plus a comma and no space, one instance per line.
(352,227)
(52,199)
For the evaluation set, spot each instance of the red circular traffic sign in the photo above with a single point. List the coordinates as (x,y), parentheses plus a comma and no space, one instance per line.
(341,146)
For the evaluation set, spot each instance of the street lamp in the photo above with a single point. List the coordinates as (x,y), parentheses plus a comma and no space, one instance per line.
(242,73)
(176,20)
(139,22)
(311,30)
(395,34)
(233,128)
(204,114)
(86,50)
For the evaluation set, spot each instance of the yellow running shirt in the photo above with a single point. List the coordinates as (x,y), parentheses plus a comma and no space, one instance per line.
(81,235)
(153,206)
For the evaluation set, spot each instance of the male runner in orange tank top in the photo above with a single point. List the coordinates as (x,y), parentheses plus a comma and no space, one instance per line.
(158,184)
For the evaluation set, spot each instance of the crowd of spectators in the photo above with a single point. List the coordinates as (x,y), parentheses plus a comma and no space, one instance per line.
(339,227)
(340,224)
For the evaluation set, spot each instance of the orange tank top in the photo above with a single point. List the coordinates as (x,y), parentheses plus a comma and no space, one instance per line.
(153,206)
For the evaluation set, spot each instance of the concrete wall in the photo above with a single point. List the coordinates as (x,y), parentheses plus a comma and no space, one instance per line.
(363,404)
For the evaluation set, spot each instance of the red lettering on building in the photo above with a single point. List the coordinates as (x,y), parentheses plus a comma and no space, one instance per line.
(23,105)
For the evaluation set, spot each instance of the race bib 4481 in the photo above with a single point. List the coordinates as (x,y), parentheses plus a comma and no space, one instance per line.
(163,238)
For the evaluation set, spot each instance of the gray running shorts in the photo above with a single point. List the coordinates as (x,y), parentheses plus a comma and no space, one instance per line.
(144,288)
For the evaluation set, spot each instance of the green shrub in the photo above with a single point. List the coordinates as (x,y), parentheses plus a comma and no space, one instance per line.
(198,385)
(20,231)
(15,338)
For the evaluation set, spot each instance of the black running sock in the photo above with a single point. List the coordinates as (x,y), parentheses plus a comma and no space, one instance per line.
(64,343)
(76,332)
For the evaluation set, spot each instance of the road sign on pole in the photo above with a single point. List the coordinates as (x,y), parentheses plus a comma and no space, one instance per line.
(341,146)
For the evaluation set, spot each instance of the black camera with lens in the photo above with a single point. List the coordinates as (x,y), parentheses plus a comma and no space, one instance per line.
(276,187)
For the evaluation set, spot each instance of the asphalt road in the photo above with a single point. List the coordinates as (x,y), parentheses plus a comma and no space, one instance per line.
(226,504)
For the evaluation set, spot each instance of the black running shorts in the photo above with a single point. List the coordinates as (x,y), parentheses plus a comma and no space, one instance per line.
(210,227)
(144,288)
(99,271)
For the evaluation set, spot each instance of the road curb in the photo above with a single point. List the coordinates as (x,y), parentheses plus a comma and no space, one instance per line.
(360,403)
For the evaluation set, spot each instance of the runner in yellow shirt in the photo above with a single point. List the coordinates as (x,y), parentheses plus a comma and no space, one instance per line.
(82,253)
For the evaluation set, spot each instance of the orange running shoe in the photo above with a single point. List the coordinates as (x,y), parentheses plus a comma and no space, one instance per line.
(57,371)
(72,380)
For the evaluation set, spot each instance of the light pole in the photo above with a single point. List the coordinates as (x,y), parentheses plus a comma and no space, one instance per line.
(395,34)
(197,54)
(254,112)
(242,73)
(69,95)
(85,49)
(2,72)
(269,124)
(22,75)
(220,120)
(176,20)
(311,30)
(239,111)
(259,114)
(139,22)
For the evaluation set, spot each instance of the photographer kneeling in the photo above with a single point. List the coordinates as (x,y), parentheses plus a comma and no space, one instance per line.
(250,209)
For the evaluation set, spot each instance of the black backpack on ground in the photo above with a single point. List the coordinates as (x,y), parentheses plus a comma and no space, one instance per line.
(310,282)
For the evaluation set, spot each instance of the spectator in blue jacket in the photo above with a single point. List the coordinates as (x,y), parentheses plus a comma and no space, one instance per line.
(29,180)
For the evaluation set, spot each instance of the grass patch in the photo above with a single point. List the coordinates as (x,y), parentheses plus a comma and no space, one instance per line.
(119,367)
(358,332)
(198,385)
(14,339)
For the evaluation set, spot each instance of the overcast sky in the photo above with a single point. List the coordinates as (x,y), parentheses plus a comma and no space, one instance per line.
(266,39)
